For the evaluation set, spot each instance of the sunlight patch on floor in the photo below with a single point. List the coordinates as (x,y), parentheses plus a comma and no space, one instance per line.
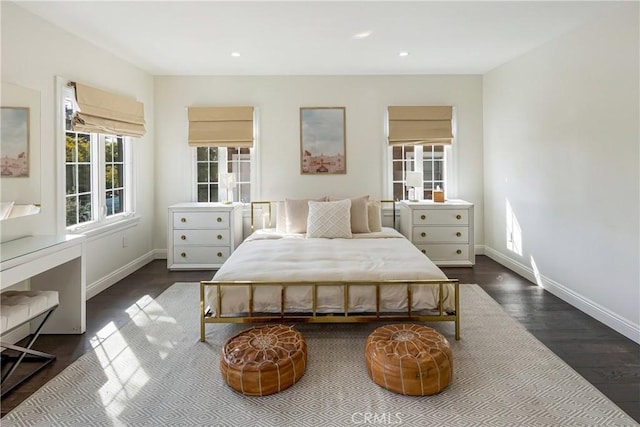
(139,305)
(148,312)
(125,377)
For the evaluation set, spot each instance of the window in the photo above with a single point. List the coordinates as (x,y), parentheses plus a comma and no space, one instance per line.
(428,159)
(420,140)
(207,174)
(211,162)
(433,164)
(98,175)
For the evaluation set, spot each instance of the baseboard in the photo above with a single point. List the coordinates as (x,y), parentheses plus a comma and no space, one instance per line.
(98,286)
(511,264)
(160,254)
(593,309)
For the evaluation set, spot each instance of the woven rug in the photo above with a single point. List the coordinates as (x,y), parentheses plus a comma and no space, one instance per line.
(155,372)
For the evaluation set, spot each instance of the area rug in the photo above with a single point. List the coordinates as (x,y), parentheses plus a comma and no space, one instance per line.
(154,371)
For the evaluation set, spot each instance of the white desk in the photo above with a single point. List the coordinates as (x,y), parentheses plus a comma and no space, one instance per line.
(50,262)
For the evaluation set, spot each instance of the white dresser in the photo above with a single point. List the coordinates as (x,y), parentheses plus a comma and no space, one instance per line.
(201,236)
(442,231)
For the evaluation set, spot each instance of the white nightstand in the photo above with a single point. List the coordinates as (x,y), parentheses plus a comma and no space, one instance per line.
(442,231)
(201,236)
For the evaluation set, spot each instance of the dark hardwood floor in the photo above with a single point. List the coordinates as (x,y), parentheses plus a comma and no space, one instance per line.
(605,358)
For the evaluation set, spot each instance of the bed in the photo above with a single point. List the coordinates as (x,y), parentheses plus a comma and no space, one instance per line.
(284,275)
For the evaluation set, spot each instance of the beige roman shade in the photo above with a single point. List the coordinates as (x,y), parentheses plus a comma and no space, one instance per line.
(429,125)
(106,112)
(221,127)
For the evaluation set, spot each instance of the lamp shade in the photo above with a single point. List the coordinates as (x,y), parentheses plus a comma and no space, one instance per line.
(227,180)
(413,179)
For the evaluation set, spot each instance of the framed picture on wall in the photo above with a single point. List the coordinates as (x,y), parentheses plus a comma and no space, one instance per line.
(14,142)
(322,141)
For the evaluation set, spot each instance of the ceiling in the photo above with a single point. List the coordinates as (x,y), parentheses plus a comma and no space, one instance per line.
(317,37)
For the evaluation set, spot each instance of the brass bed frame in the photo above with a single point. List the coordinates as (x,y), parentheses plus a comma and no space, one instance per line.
(206,315)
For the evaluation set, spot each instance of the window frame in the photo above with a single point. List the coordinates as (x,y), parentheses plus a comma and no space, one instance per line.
(450,164)
(415,162)
(100,221)
(223,162)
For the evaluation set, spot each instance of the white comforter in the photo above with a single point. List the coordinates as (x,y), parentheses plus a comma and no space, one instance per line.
(270,256)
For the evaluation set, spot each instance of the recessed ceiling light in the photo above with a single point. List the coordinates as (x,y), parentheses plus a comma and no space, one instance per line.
(235,54)
(404,53)
(362,35)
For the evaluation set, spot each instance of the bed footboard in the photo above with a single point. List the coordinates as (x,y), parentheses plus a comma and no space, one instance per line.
(313,315)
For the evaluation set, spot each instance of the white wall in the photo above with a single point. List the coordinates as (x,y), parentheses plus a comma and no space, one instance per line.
(561,145)
(33,53)
(278,99)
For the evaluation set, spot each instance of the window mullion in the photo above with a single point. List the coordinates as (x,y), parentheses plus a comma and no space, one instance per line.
(223,167)
(98,172)
(418,166)
(417,161)
(129,182)
(76,172)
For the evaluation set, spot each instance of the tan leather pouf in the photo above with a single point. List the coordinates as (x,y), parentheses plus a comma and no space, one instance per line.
(264,360)
(409,359)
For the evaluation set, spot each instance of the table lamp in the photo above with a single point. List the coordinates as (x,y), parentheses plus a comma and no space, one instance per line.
(227,181)
(413,180)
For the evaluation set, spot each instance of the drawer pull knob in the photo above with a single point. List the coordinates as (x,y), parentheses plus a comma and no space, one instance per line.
(423,217)
(458,216)
(458,234)
(458,251)
(183,219)
(219,254)
(423,234)
(219,237)
(183,254)
(183,237)
(219,219)
(423,251)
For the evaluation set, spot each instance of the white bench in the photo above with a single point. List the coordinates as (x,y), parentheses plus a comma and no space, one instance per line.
(16,309)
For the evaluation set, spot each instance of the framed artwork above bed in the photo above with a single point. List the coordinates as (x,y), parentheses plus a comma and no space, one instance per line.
(322,141)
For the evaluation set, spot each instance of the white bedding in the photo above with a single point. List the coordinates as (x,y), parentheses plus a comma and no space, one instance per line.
(267,255)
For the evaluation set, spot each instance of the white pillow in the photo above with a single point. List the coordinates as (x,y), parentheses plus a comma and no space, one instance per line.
(281,218)
(297,212)
(331,220)
(375,215)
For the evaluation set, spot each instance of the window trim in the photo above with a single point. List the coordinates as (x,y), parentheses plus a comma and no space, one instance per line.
(102,224)
(418,162)
(222,159)
(450,166)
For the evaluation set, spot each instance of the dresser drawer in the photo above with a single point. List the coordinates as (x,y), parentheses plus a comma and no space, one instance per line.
(201,220)
(442,231)
(445,252)
(200,254)
(202,237)
(440,216)
(440,235)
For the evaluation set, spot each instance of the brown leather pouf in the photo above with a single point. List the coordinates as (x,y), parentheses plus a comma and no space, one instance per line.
(264,360)
(409,359)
